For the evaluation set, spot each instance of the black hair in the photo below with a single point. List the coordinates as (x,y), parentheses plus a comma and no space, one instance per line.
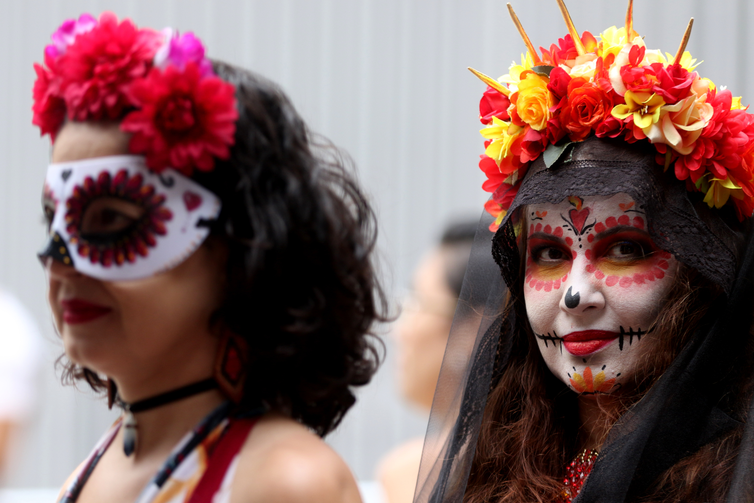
(301,286)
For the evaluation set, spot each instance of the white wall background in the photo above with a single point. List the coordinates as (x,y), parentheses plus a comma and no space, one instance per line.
(385,80)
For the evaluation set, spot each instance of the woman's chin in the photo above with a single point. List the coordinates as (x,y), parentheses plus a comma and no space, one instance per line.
(88,353)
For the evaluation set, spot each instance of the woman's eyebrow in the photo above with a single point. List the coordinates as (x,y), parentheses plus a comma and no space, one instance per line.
(546,236)
(617,229)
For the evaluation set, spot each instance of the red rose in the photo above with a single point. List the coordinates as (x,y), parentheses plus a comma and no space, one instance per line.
(587,106)
(184,121)
(558,86)
(531,146)
(99,68)
(613,128)
(493,104)
(554,131)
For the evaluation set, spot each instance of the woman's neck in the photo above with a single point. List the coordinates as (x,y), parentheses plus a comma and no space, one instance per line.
(159,429)
(594,419)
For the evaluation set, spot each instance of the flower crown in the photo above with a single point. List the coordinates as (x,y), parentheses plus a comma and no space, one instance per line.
(613,87)
(181,115)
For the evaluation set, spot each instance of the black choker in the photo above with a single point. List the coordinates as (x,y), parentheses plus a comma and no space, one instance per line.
(129,423)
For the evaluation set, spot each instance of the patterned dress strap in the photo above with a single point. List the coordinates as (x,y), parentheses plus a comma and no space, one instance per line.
(224,453)
(73,490)
(187,462)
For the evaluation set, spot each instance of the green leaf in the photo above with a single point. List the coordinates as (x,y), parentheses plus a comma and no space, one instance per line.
(542,69)
(554,152)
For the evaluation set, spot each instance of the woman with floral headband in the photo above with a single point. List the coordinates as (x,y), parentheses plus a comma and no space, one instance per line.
(615,364)
(205,268)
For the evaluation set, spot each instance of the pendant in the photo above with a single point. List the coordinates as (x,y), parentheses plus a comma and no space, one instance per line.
(129,434)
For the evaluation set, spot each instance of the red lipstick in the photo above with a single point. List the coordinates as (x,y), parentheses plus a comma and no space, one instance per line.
(77,311)
(588,341)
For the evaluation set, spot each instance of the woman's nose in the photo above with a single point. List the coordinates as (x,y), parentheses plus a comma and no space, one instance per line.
(582,293)
(58,270)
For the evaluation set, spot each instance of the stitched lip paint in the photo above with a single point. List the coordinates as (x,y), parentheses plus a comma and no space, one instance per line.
(76,311)
(588,341)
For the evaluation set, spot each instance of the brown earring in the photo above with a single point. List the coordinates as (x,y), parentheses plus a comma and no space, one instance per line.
(112,393)
(230,365)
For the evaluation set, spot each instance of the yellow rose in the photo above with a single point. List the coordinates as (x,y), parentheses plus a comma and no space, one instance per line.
(533,100)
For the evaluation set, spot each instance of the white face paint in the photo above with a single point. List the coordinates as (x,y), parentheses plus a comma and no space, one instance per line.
(113,219)
(594,283)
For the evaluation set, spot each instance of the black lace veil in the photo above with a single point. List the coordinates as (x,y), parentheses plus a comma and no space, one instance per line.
(684,410)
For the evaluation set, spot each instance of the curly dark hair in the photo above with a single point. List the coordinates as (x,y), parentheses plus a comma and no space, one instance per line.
(301,286)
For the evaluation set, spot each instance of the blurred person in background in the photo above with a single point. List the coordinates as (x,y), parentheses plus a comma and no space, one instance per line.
(421,334)
(19,362)
(206,269)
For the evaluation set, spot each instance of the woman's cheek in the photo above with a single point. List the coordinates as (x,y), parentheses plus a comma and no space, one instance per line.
(541,309)
(545,278)
(624,276)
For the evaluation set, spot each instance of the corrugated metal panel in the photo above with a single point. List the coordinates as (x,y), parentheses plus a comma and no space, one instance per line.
(385,80)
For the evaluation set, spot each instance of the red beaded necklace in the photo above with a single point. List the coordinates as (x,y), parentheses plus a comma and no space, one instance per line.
(576,473)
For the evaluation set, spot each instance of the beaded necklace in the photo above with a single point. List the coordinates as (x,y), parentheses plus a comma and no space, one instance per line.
(576,474)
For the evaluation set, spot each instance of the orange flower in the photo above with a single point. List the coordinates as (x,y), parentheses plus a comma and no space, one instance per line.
(533,100)
(589,384)
(587,107)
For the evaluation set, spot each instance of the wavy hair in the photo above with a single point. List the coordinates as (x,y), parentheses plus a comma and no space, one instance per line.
(301,285)
(530,424)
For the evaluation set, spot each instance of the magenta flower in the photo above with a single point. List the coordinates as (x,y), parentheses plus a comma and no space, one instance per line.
(179,50)
(67,33)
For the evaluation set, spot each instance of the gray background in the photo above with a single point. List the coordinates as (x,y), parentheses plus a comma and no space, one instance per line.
(385,80)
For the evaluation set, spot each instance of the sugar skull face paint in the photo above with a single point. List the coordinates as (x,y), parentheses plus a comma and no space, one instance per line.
(113,219)
(594,282)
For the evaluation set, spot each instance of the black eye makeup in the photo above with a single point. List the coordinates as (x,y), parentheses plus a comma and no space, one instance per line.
(108,217)
(624,245)
(546,251)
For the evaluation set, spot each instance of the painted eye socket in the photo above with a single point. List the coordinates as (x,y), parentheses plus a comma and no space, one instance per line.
(549,255)
(109,215)
(115,219)
(626,251)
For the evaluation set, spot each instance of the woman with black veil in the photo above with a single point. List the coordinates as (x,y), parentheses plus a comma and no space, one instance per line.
(613,360)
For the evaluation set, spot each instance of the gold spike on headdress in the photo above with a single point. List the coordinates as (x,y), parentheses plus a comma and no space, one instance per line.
(491,82)
(571,28)
(630,33)
(685,41)
(529,45)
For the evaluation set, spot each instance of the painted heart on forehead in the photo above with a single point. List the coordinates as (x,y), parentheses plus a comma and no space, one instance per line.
(594,281)
(578,219)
